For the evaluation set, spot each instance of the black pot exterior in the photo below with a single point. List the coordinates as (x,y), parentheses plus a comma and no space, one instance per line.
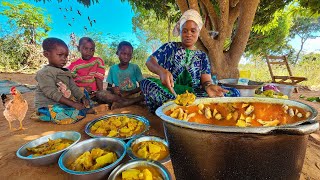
(215,155)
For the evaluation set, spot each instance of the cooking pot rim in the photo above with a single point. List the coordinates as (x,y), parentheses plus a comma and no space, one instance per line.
(233,129)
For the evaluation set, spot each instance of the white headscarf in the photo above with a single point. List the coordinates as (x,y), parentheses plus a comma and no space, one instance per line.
(190,14)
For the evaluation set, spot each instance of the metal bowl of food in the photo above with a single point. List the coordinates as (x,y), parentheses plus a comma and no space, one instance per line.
(70,158)
(246,90)
(43,156)
(135,166)
(224,151)
(122,126)
(149,147)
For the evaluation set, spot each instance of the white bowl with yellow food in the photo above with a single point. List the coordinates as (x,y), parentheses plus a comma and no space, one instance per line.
(122,126)
(47,149)
(140,169)
(150,148)
(93,158)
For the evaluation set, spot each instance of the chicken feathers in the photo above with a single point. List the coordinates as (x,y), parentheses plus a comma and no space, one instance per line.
(16,108)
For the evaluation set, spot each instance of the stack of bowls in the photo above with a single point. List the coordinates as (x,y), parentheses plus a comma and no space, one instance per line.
(245,90)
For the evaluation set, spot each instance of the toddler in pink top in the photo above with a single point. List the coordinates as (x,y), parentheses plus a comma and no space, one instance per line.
(88,71)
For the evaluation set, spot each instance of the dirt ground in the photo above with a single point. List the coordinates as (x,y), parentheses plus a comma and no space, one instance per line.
(11,167)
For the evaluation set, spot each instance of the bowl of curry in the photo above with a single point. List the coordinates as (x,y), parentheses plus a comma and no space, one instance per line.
(238,137)
(47,149)
(122,126)
(149,148)
(140,169)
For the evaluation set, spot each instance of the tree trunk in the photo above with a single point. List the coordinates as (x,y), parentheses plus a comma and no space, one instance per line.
(225,63)
(301,47)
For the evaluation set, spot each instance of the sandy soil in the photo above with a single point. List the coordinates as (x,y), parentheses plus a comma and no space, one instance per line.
(12,167)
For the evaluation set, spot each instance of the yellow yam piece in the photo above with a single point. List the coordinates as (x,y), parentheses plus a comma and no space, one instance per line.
(147,175)
(229,116)
(94,127)
(85,160)
(154,157)
(185,99)
(96,152)
(132,125)
(112,133)
(241,123)
(104,160)
(153,148)
(101,130)
(130,174)
(125,130)
(143,152)
(116,122)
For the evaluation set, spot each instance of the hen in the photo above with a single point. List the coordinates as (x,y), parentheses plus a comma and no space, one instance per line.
(16,108)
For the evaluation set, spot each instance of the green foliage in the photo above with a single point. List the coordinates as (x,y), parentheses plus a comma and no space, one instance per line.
(305,27)
(18,48)
(313,5)
(310,58)
(272,37)
(146,23)
(29,20)
(16,55)
(160,7)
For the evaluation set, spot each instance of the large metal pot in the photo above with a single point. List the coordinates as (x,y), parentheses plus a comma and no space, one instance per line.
(200,151)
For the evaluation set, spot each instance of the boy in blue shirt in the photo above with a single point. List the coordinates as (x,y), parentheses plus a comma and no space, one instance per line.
(124,78)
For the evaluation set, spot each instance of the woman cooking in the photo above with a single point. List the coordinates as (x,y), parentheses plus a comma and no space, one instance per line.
(180,66)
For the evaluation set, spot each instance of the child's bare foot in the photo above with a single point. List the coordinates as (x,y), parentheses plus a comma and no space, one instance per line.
(101,108)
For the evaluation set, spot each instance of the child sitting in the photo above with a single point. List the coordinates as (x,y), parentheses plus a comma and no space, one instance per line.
(57,97)
(124,78)
(88,72)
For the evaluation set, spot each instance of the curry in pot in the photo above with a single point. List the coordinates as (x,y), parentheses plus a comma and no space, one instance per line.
(240,114)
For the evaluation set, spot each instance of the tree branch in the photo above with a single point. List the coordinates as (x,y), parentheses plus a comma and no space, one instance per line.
(193,4)
(246,16)
(212,13)
(224,18)
(234,14)
(183,5)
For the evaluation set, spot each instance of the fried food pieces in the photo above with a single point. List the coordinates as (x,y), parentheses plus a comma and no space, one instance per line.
(93,160)
(118,126)
(185,99)
(50,147)
(150,150)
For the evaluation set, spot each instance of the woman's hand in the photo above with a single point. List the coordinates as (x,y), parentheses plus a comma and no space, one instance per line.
(215,90)
(167,79)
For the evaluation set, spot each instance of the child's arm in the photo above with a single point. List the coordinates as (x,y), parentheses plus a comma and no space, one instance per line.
(71,103)
(100,73)
(99,84)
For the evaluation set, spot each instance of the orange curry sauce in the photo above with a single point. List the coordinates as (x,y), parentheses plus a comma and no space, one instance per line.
(262,111)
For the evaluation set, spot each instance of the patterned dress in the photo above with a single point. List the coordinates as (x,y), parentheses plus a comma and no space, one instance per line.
(186,66)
